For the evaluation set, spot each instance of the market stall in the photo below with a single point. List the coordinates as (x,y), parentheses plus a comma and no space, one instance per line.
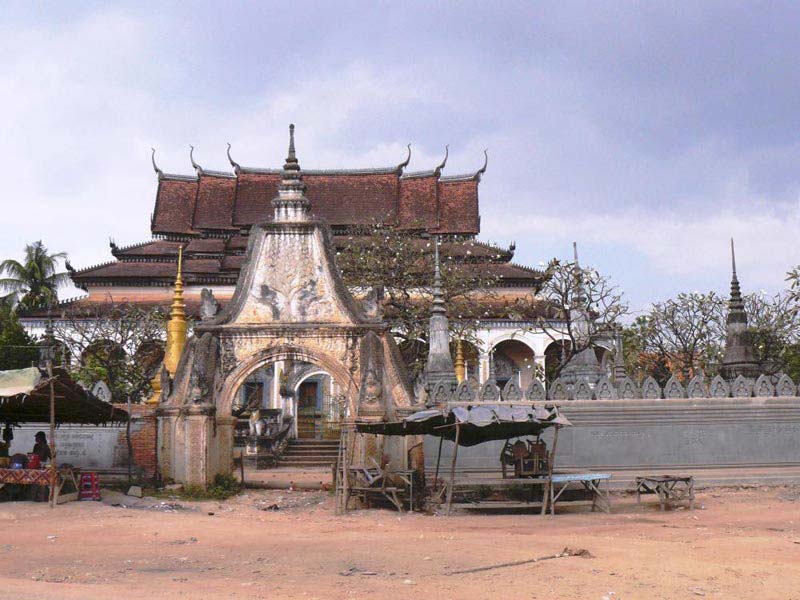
(36,396)
(469,425)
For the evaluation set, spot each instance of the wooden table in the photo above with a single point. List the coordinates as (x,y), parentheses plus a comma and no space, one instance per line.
(42,477)
(590,482)
(497,482)
(670,489)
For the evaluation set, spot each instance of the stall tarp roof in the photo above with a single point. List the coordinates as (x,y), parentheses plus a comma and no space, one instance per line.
(25,398)
(19,381)
(478,423)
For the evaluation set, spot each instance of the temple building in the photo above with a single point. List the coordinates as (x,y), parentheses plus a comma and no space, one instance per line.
(208,216)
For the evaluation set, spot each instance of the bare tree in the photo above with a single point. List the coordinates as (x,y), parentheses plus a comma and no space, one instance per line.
(793,277)
(774,325)
(685,332)
(399,265)
(120,344)
(576,306)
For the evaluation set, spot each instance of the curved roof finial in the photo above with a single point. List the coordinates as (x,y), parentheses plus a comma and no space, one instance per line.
(444,161)
(404,164)
(197,167)
(482,170)
(158,171)
(234,164)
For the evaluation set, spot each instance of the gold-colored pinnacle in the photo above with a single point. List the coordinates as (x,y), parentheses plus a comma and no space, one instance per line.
(460,366)
(177,326)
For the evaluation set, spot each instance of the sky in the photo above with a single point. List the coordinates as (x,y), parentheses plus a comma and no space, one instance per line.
(650,132)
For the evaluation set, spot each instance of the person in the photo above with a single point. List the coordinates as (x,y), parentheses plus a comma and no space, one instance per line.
(41,448)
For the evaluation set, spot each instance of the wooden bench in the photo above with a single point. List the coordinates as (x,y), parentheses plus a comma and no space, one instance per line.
(670,489)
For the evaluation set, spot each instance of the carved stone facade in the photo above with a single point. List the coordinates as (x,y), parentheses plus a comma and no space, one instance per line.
(289,305)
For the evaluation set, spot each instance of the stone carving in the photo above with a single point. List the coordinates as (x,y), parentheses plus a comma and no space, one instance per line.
(742,387)
(764,387)
(626,389)
(166,383)
(209,307)
(372,303)
(511,392)
(489,392)
(227,356)
(464,392)
(720,388)
(650,389)
(786,386)
(206,360)
(697,387)
(101,391)
(674,388)
(582,390)
(558,390)
(603,390)
(535,391)
(441,393)
(372,372)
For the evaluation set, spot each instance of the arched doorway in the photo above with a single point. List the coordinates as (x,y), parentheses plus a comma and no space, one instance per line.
(553,356)
(513,361)
(293,393)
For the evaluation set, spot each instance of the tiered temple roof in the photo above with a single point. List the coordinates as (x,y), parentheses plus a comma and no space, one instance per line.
(210,214)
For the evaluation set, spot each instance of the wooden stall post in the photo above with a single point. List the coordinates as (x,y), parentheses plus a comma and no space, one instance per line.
(548,489)
(438,459)
(453,470)
(53,473)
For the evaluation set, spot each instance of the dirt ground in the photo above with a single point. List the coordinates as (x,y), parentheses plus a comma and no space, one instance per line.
(281,544)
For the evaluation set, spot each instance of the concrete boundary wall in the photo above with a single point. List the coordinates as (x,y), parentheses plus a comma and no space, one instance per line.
(741,435)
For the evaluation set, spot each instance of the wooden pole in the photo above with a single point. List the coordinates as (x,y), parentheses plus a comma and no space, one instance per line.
(549,485)
(453,470)
(130,443)
(438,459)
(52,435)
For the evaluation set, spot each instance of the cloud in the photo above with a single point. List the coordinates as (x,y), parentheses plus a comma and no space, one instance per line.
(649,135)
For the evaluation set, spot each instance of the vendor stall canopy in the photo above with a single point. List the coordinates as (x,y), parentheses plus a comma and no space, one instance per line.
(25,398)
(478,423)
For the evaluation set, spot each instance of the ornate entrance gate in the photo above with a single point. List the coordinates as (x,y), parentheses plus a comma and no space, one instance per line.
(289,304)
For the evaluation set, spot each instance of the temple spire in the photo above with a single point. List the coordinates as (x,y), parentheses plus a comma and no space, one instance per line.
(176,327)
(439,367)
(291,204)
(739,358)
(619,359)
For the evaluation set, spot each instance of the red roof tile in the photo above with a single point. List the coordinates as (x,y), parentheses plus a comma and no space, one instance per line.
(214,201)
(215,198)
(175,203)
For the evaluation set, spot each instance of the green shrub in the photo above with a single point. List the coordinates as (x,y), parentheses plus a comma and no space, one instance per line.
(224,487)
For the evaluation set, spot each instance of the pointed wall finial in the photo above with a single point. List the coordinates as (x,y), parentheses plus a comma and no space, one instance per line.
(291,141)
(482,170)
(404,164)
(439,366)
(158,171)
(197,167)
(291,203)
(444,160)
(437,270)
(234,164)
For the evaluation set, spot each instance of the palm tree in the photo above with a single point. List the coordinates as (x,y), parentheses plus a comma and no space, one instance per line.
(34,282)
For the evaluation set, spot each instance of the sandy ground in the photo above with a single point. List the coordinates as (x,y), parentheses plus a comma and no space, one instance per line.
(740,544)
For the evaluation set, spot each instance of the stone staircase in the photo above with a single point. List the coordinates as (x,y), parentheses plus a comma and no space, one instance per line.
(303,452)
